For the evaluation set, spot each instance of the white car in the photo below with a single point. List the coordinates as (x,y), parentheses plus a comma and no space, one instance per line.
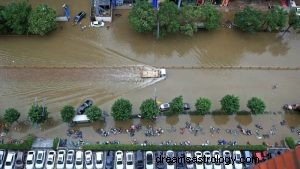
(70,159)
(119,160)
(227,155)
(170,154)
(79,160)
(199,163)
(208,163)
(10,160)
(97,24)
(99,158)
(164,107)
(2,157)
(189,164)
(30,160)
(129,160)
(217,155)
(60,164)
(40,159)
(149,160)
(50,159)
(237,155)
(89,160)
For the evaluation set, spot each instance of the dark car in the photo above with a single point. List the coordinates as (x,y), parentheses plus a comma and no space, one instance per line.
(181,162)
(81,109)
(79,16)
(109,164)
(20,160)
(139,159)
(186,106)
(159,160)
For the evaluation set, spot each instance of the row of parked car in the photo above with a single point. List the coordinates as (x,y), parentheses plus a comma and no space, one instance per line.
(78,159)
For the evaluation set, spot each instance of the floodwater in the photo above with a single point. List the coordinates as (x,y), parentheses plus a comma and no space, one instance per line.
(53,74)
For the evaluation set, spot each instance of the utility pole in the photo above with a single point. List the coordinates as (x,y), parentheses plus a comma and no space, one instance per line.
(157,32)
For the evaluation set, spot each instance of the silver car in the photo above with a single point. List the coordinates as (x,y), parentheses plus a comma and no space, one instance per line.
(40,159)
(20,160)
(70,159)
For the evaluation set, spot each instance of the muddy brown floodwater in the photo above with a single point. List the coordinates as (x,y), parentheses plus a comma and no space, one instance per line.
(45,77)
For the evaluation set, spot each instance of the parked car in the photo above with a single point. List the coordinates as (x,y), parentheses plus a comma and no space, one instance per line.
(97,24)
(109,160)
(79,160)
(139,159)
(170,154)
(70,159)
(186,106)
(149,160)
(30,160)
(2,157)
(10,160)
(217,155)
(247,156)
(189,163)
(199,163)
(129,160)
(81,109)
(208,163)
(60,164)
(164,107)
(119,160)
(99,158)
(181,163)
(20,160)
(159,155)
(227,154)
(237,163)
(89,159)
(50,159)
(257,156)
(79,17)
(40,159)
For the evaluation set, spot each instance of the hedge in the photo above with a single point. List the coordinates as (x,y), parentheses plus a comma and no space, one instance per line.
(55,143)
(290,142)
(26,145)
(135,147)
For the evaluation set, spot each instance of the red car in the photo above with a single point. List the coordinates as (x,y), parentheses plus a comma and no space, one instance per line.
(257,156)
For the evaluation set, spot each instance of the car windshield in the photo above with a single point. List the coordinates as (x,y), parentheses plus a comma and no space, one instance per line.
(49,162)
(99,161)
(78,162)
(69,161)
(19,162)
(119,162)
(89,162)
(129,162)
(60,162)
(149,159)
(8,163)
(29,162)
(39,161)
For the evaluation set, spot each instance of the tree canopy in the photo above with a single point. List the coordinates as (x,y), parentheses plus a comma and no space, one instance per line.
(67,113)
(149,109)
(256,105)
(122,109)
(93,113)
(142,18)
(16,16)
(294,21)
(202,105)
(248,20)
(210,16)
(11,115)
(168,15)
(42,20)
(176,105)
(230,104)
(275,18)
(38,114)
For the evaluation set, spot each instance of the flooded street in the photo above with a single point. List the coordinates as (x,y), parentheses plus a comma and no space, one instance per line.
(66,67)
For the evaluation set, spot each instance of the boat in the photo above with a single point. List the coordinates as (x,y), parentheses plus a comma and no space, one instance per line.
(155,73)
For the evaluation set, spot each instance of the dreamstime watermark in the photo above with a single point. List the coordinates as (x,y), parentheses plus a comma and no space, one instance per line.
(207,160)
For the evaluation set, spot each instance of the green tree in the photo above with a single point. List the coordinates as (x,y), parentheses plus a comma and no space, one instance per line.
(294,21)
(275,18)
(16,16)
(168,18)
(3,27)
(11,115)
(122,109)
(38,114)
(210,16)
(203,105)
(142,18)
(42,20)
(176,105)
(256,105)
(93,113)
(67,113)
(230,104)
(149,109)
(190,14)
(248,20)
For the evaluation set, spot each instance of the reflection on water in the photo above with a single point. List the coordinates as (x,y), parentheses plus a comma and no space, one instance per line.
(292,119)
(220,119)
(172,120)
(244,120)
(196,119)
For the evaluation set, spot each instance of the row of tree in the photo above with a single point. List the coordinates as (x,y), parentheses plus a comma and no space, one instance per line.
(19,18)
(171,19)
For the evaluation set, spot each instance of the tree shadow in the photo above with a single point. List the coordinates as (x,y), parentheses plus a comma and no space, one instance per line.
(220,119)
(172,120)
(244,120)
(196,118)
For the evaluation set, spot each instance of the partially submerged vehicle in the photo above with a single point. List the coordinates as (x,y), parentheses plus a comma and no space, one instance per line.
(97,24)
(295,107)
(81,109)
(79,17)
